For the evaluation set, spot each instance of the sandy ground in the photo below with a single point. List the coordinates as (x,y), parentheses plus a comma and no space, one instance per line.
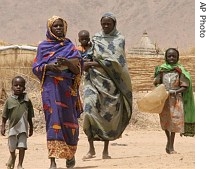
(142,149)
(142,146)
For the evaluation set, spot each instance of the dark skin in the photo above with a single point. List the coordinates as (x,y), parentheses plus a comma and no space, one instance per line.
(172,58)
(58,30)
(107,25)
(84,39)
(18,87)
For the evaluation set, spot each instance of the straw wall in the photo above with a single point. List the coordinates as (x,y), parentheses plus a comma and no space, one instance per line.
(142,70)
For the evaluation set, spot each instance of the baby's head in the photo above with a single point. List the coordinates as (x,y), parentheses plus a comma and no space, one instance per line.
(172,56)
(84,37)
(18,85)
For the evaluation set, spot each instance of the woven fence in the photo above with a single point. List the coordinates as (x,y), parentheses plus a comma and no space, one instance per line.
(17,61)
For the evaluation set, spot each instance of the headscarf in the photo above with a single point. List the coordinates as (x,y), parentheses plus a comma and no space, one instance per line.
(110,15)
(53,47)
(50,22)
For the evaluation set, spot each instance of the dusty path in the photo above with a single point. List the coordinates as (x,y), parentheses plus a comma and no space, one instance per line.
(142,149)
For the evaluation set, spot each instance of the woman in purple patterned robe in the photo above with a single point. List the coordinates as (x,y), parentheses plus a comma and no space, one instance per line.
(58,66)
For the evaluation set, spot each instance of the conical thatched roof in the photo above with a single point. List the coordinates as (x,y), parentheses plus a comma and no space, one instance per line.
(145,47)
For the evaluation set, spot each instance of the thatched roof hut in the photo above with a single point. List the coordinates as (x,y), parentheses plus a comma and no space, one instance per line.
(16,59)
(145,47)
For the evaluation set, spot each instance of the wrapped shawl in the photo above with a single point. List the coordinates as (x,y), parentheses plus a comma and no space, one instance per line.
(107,90)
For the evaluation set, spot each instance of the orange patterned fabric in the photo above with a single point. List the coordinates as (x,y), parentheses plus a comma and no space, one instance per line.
(59,149)
(172,116)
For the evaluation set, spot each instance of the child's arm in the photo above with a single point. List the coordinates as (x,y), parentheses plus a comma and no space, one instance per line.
(3,124)
(4,119)
(31,130)
(157,80)
(30,116)
(180,90)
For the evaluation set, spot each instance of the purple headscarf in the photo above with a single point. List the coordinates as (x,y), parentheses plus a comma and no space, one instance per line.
(53,47)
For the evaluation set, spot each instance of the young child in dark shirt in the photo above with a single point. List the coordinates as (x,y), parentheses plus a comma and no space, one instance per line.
(18,109)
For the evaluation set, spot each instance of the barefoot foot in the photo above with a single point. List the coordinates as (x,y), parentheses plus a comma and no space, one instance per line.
(11,162)
(53,166)
(106,156)
(20,167)
(88,156)
(173,152)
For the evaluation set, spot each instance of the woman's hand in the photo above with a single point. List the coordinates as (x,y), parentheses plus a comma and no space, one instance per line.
(180,90)
(72,64)
(172,92)
(87,60)
(156,81)
(87,65)
(53,68)
(63,61)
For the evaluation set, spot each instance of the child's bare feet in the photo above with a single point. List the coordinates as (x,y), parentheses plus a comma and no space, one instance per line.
(11,163)
(168,148)
(173,152)
(53,166)
(20,167)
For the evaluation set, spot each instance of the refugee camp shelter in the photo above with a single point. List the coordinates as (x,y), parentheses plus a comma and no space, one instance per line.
(145,47)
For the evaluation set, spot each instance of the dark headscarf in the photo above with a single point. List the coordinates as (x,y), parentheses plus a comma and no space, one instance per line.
(109,15)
